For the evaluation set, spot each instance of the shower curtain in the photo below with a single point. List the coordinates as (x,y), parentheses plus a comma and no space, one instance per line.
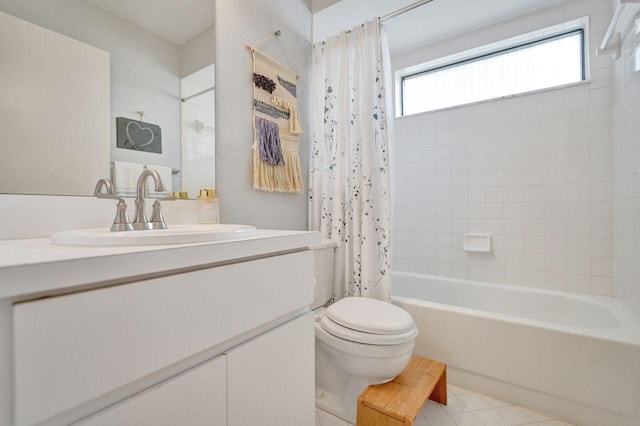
(349,198)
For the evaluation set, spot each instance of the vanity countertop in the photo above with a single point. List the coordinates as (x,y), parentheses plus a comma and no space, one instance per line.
(31,268)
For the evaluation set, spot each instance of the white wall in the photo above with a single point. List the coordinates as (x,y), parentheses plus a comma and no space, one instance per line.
(145,68)
(534,171)
(626,166)
(199,52)
(238,24)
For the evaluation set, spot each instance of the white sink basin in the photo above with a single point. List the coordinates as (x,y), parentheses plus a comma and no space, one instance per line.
(175,234)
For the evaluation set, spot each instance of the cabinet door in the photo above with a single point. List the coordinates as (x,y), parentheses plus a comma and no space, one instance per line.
(195,398)
(271,378)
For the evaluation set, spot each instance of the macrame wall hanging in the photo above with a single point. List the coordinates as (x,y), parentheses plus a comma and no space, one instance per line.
(276,126)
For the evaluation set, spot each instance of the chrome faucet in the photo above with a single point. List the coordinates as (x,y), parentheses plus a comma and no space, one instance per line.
(140,220)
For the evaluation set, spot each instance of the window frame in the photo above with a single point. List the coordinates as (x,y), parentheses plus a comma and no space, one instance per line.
(555,32)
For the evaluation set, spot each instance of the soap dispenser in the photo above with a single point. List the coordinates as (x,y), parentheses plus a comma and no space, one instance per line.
(208,206)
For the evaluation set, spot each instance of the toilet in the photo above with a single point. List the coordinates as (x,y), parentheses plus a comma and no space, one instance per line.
(359,341)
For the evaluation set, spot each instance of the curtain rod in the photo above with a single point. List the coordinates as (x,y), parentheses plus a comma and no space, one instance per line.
(405,9)
(604,47)
(198,94)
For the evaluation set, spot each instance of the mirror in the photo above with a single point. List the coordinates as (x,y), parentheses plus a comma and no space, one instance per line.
(159,53)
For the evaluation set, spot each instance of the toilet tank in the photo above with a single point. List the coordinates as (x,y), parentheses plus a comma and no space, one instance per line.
(323,254)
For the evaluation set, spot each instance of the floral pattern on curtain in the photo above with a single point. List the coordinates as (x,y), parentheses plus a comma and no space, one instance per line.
(349,199)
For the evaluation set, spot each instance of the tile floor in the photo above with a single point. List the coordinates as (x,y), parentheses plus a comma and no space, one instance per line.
(465,408)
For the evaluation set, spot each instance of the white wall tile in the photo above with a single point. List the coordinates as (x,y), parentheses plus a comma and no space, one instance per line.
(579,246)
(579,283)
(602,266)
(533,244)
(604,286)
(578,118)
(556,281)
(534,227)
(577,137)
(534,261)
(602,247)
(534,278)
(579,265)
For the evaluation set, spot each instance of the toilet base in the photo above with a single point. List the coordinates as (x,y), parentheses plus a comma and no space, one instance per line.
(329,402)
(337,392)
(344,407)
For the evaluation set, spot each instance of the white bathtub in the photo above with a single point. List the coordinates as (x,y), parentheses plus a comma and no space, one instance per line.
(575,357)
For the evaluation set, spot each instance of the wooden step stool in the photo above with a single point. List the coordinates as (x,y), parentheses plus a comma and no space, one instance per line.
(399,401)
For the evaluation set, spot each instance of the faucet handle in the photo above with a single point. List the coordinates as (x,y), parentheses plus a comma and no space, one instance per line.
(106,185)
(157,220)
(121,221)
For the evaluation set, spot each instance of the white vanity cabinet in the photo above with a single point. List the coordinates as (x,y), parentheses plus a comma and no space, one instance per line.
(255,383)
(237,336)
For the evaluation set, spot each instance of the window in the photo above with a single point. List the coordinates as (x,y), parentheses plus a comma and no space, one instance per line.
(553,60)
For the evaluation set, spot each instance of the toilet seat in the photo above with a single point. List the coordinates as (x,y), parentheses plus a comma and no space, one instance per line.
(369,321)
(368,338)
(361,349)
(370,316)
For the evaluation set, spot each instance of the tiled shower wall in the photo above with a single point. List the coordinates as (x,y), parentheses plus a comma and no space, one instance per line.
(626,136)
(534,171)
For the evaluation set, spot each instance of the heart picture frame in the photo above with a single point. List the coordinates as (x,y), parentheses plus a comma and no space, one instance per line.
(138,135)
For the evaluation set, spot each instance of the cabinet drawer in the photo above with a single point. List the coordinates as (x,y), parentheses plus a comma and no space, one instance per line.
(72,349)
(197,398)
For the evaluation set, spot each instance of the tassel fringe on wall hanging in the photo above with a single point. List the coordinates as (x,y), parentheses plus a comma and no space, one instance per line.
(276,126)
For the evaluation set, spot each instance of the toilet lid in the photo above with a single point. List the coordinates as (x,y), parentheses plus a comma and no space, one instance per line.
(369,338)
(370,316)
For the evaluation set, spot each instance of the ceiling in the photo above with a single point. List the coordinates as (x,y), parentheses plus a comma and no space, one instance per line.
(176,21)
(318,5)
(179,21)
(427,24)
